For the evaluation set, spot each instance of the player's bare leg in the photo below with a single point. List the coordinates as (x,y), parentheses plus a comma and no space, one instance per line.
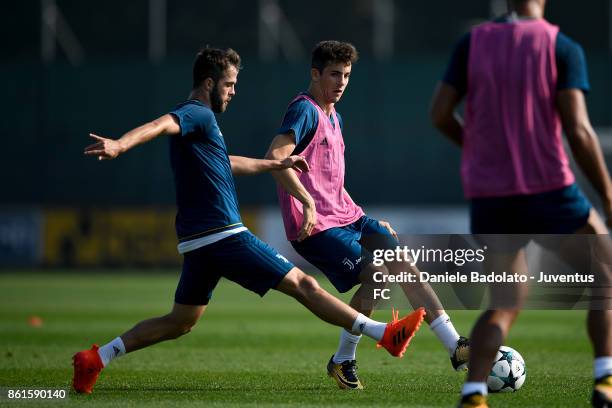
(363,299)
(599,317)
(88,363)
(493,326)
(306,290)
(170,326)
(599,258)
(421,294)
(342,365)
(596,255)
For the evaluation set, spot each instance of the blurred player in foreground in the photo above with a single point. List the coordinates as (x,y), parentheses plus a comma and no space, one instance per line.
(323,223)
(523,82)
(212,238)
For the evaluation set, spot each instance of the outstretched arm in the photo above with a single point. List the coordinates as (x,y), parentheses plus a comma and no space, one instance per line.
(443,115)
(245,166)
(106,149)
(281,147)
(585,145)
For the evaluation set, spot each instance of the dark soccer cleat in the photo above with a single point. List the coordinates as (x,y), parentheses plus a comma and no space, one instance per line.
(398,333)
(87,366)
(473,401)
(460,357)
(602,393)
(345,374)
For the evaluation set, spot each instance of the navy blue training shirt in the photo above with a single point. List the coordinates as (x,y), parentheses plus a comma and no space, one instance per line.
(303,118)
(571,64)
(205,192)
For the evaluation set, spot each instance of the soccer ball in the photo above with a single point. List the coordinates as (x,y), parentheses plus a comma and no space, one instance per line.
(508,372)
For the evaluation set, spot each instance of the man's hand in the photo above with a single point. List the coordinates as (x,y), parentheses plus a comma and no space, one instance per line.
(297,163)
(387,226)
(310,220)
(105,149)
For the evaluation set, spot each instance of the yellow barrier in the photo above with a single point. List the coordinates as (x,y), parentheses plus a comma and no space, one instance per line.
(113,237)
(127,237)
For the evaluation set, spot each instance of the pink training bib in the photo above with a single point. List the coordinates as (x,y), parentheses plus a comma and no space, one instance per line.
(324,181)
(512,140)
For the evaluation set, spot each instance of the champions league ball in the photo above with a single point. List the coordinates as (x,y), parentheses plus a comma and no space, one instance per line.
(508,372)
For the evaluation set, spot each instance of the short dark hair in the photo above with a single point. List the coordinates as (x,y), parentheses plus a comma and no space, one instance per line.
(212,63)
(329,52)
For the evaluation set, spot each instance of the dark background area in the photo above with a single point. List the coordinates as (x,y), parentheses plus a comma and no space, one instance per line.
(394,157)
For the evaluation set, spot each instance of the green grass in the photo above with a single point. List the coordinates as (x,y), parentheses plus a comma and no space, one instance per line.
(252,352)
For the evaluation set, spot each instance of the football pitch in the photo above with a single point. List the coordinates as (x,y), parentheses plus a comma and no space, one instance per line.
(252,352)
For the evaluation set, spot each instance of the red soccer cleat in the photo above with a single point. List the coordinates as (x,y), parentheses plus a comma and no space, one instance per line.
(398,333)
(87,366)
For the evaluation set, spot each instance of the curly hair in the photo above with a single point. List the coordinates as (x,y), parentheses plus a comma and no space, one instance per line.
(329,52)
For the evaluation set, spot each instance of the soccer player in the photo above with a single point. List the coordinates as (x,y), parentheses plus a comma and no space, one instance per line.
(212,238)
(523,81)
(323,223)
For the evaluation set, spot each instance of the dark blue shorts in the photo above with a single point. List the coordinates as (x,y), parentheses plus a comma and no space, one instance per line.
(561,211)
(242,258)
(341,252)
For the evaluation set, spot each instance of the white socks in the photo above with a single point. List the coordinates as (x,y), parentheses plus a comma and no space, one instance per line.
(445,331)
(474,387)
(112,350)
(602,366)
(346,347)
(369,327)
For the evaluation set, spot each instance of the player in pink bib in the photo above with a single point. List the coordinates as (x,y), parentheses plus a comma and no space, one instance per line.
(324,224)
(325,151)
(523,81)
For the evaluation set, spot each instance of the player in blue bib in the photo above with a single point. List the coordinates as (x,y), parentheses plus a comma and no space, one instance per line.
(212,238)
